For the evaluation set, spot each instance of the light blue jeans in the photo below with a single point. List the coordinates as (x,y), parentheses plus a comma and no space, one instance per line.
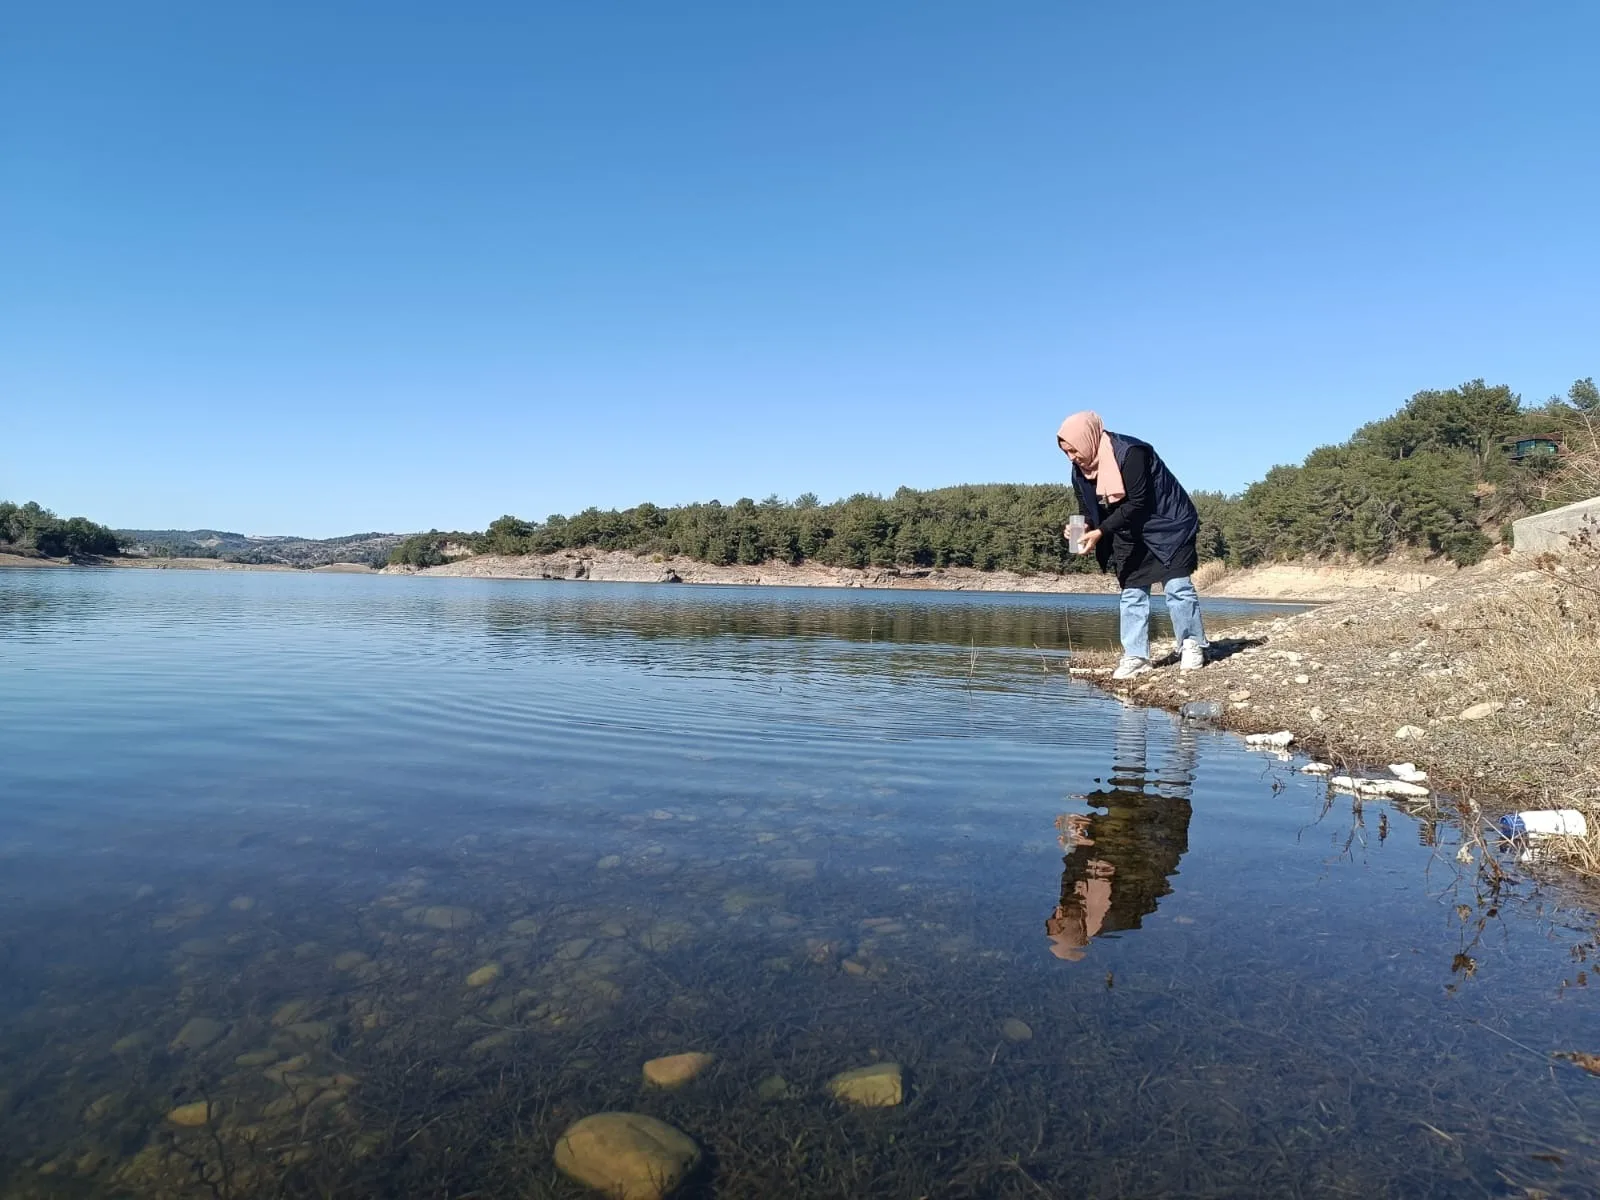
(1183,606)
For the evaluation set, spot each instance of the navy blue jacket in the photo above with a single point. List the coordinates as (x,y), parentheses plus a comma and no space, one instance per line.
(1166,523)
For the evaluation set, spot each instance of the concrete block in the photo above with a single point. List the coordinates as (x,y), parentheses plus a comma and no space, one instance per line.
(1552,532)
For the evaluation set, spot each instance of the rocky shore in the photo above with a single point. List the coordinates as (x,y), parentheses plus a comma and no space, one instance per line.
(1489,682)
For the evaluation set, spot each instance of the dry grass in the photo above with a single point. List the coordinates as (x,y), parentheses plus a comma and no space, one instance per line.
(1346,677)
(1544,648)
(1209,573)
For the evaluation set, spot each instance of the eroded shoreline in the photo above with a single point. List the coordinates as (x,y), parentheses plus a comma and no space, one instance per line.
(1487,682)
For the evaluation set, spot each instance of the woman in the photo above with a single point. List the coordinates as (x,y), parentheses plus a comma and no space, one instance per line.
(1142,526)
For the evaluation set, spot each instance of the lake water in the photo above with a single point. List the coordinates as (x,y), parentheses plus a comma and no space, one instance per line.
(260,829)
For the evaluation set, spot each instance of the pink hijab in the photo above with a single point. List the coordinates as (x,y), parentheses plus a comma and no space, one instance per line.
(1085,435)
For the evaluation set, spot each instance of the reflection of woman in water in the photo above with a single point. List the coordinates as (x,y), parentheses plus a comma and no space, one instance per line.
(1119,861)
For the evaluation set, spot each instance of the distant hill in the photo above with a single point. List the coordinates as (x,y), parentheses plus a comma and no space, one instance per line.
(373,548)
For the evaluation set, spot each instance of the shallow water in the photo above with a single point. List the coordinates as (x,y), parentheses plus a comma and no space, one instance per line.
(258,830)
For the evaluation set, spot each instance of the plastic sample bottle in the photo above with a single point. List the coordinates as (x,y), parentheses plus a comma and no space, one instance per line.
(1076,528)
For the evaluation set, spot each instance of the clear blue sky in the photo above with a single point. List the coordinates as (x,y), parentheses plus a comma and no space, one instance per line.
(326,267)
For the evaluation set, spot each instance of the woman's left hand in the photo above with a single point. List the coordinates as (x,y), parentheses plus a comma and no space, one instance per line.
(1091,539)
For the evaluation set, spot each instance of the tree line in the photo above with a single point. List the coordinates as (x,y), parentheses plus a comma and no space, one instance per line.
(1437,477)
(30,529)
(987,526)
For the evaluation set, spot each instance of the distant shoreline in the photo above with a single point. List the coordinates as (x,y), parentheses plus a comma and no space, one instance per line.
(181,564)
(1288,583)
(1283,583)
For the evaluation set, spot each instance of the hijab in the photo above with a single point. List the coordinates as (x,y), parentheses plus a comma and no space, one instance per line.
(1085,435)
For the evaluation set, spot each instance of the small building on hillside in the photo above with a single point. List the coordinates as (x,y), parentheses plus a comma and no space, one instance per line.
(1535,447)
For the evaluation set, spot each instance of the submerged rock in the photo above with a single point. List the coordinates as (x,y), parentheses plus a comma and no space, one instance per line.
(192,1116)
(665,934)
(1015,1030)
(883,926)
(794,870)
(102,1108)
(877,1086)
(207,947)
(443,916)
(484,975)
(573,949)
(288,1069)
(526,927)
(198,1033)
(628,1156)
(131,1042)
(675,1070)
(773,1087)
(350,960)
(740,900)
(291,1013)
(490,1043)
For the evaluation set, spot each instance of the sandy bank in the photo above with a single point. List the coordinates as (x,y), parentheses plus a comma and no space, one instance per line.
(1315,582)
(619,566)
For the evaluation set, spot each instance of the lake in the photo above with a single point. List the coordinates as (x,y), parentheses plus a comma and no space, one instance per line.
(382,882)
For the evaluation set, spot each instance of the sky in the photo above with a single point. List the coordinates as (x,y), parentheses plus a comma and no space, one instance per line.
(320,268)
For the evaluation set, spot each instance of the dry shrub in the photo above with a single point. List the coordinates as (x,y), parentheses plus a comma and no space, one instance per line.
(1209,572)
(1579,475)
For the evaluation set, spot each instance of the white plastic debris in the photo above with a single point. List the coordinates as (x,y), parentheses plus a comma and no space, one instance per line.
(1545,823)
(1378,787)
(1269,741)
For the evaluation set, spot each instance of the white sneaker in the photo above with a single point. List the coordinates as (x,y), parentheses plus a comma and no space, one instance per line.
(1131,666)
(1192,655)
